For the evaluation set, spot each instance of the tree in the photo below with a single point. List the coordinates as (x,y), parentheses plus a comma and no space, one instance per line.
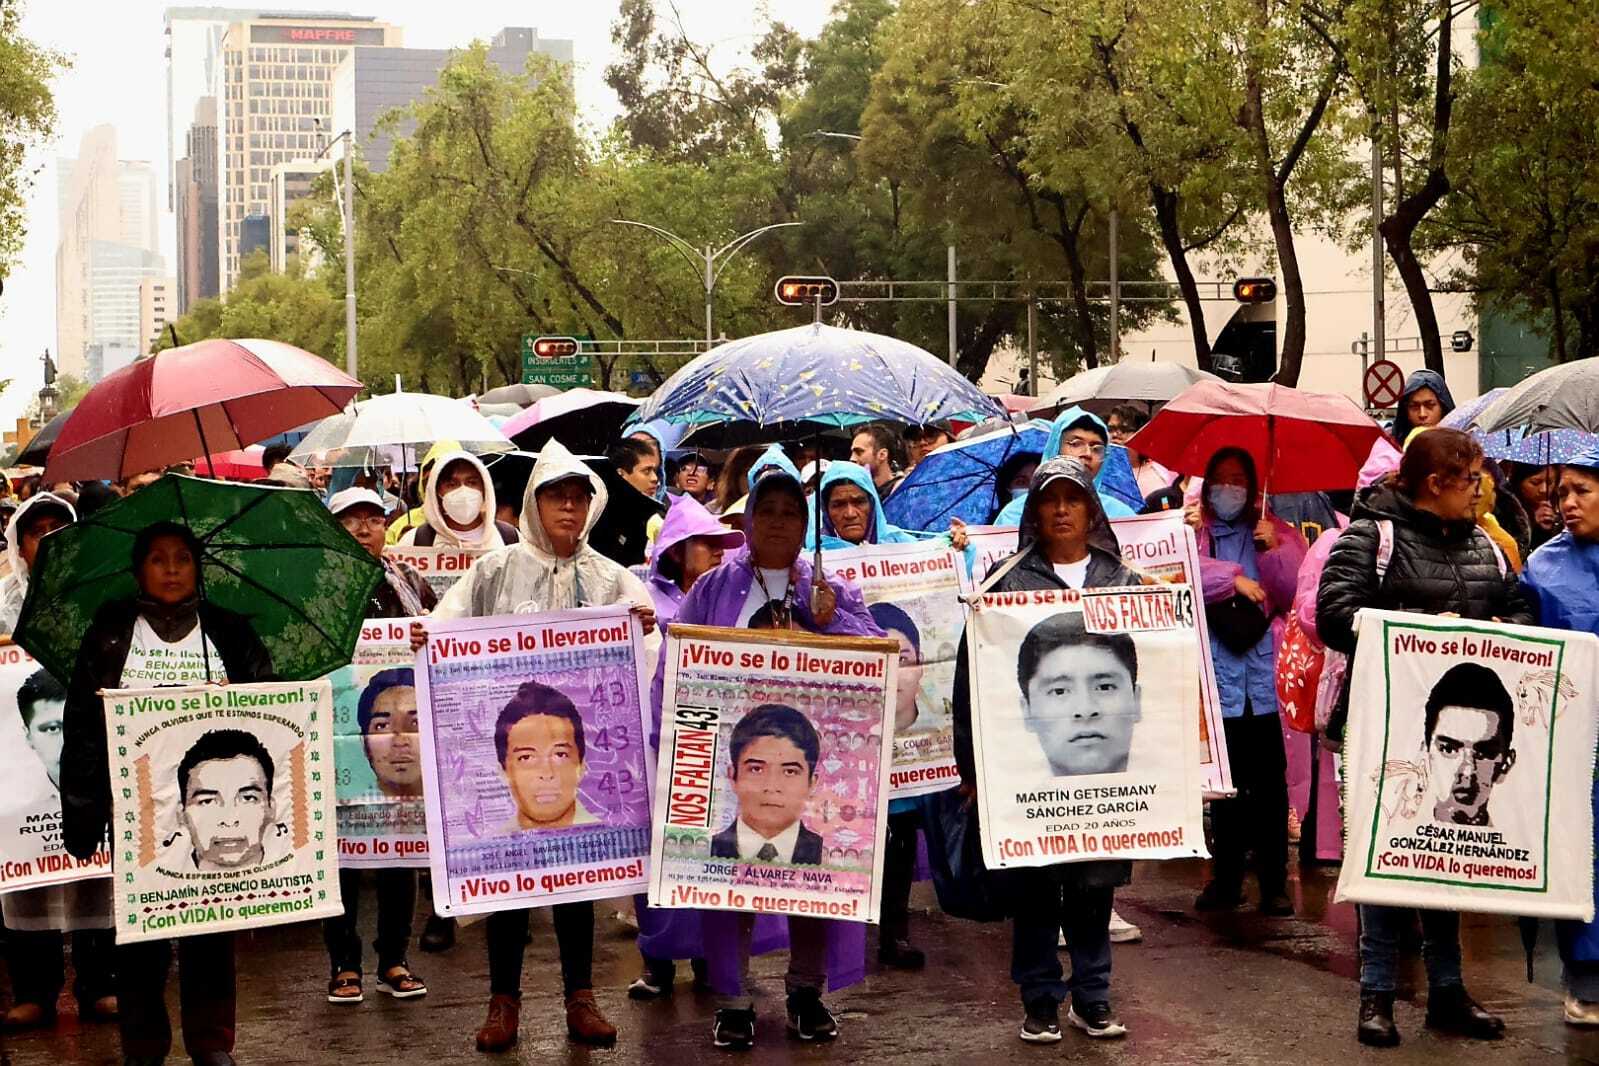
(27,118)
(285,307)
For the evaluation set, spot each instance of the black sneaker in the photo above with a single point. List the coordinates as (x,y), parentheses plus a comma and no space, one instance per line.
(809,1018)
(1042,1024)
(649,985)
(1096,1020)
(734,1029)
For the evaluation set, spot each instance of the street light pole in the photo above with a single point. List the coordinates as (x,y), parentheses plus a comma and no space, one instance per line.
(710,259)
(347,223)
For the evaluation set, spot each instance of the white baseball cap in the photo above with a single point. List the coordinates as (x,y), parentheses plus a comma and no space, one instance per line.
(354,496)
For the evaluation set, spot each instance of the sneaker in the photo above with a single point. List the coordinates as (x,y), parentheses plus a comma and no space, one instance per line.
(649,985)
(1042,1024)
(1122,931)
(1581,1012)
(808,1016)
(1096,1020)
(734,1028)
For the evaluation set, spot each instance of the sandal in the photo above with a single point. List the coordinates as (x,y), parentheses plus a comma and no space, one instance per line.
(401,983)
(345,987)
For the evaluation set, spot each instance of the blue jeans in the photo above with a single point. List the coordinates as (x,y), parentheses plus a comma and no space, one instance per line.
(1050,902)
(1380,931)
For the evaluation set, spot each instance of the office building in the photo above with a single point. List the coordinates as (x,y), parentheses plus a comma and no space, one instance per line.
(373,81)
(291,182)
(196,208)
(107,243)
(193,56)
(157,307)
(274,104)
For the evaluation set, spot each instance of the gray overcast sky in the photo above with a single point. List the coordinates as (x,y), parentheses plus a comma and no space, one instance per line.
(119,76)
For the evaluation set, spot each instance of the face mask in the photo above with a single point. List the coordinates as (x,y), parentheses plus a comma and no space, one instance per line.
(464,505)
(1018,491)
(1228,501)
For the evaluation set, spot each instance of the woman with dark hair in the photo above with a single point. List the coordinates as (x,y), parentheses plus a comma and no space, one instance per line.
(732,484)
(1012,479)
(1438,561)
(166,635)
(1534,489)
(1249,564)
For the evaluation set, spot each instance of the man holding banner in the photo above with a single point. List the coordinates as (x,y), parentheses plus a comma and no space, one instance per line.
(1065,542)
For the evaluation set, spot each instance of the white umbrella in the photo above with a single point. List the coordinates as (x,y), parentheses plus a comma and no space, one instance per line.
(382,430)
(1150,382)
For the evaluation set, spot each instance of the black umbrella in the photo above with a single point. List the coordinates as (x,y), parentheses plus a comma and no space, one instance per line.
(38,449)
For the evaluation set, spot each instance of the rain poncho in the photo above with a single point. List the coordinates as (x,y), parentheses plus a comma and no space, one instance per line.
(686,520)
(1562,579)
(529,577)
(1421,379)
(1114,507)
(414,517)
(878,532)
(14,587)
(481,535)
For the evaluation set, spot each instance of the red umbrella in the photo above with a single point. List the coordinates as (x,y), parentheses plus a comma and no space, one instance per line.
(1300,441)
(241,465)
(213,396)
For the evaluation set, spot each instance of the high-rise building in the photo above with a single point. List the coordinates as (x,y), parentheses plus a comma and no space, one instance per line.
(196,208)
(193,54)
(274,104)
(157,307)
(373,81)
(107,243)
(291,182)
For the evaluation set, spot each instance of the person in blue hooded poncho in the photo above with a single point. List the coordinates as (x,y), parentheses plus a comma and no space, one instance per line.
(1424,401)
(1562,580)
(1081,435)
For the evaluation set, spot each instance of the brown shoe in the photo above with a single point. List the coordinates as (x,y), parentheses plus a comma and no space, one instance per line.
(35,1016)
(585,1023)
(103,1009)
(499,1029)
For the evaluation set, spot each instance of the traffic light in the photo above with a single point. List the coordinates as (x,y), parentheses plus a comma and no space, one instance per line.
(555,347)
(798,291)
(1254,290)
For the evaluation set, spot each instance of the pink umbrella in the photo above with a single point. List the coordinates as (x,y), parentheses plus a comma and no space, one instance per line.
(212,396)
(587,421)
(243,464)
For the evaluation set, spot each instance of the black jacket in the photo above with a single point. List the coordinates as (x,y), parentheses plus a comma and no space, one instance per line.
(807,847)
(85,770)
(1438,566)
(1034,572)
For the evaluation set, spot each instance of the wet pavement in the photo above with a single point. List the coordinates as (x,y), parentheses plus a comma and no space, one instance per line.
(1232,988)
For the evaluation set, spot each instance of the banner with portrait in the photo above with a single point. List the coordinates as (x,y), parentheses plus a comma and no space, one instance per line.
(1085,725)
(534,758)
(771,791)
(1161,546)
(913,592)
(32,704)
(440,567)
(1469,767)
(221,814)
(377,751)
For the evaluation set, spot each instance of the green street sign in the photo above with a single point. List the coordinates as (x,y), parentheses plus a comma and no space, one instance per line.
(555,361)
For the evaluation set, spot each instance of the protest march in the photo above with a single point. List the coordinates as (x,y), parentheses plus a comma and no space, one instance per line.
(781,716)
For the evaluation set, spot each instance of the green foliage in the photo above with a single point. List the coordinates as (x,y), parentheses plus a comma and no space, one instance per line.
(285,307)
(27,118)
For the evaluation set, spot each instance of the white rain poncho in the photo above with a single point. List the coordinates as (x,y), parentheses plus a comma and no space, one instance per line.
(14,587)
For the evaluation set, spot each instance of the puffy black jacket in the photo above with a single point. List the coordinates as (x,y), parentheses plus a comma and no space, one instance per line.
(1438,566)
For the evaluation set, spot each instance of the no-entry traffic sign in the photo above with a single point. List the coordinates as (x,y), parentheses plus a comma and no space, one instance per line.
(1383,383)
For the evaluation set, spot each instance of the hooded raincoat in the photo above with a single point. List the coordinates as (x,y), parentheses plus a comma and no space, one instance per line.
(1562,581)
(716,600)
(14,587)
(1421,379)
(1011,514)
(686,520)
(879,532)
(436,532)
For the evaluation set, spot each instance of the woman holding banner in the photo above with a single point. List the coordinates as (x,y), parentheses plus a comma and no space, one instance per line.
(1064,542)
(166,635)
(1562,579)
(552,568)
(770,578)
(1421,534)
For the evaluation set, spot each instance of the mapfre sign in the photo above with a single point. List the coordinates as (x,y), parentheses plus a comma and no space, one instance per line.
(368,35)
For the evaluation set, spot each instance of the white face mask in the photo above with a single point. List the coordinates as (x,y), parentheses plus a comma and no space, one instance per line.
(464,505)
(1228,501)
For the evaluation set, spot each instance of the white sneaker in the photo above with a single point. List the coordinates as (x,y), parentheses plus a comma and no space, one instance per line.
(1581,1012)
(1122,931)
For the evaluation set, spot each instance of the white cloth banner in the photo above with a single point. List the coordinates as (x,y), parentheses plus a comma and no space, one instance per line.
(913,592)
(1161,546)
(1085,725)
(1469,767)
(221,807)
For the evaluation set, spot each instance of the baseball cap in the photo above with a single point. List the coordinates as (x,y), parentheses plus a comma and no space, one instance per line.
(354,496)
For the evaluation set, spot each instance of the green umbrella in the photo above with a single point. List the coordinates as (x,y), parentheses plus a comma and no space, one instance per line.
(274,555)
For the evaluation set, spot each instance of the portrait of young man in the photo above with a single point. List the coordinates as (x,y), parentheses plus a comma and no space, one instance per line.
(225,803)
(772,759)
(42,703)
(539,741)
(386,714)
(1469,730)
(1080,695)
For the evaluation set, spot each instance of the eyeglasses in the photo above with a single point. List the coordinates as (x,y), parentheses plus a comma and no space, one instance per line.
(1082,447)
(355,522)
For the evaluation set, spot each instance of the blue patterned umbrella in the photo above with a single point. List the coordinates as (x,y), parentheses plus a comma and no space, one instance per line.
(959,479)
(1463,416)
(1549,448)
(799,381)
